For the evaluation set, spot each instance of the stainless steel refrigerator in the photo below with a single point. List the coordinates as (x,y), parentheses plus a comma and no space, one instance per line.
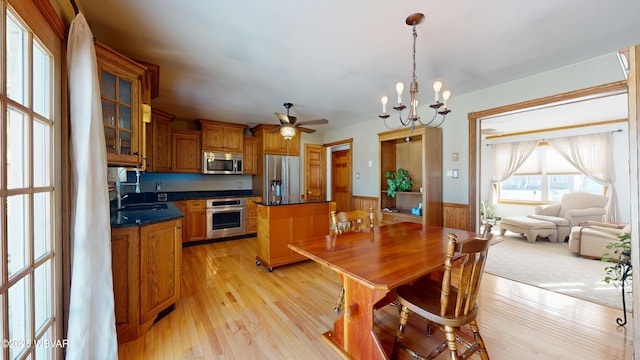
(281,179)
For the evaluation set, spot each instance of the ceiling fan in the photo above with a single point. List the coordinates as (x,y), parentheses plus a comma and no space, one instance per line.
(289,123)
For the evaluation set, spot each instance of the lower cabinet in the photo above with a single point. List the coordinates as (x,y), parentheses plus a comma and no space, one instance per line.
(146,266)
(196,223)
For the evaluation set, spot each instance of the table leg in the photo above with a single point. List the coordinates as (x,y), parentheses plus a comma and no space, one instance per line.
(353,332)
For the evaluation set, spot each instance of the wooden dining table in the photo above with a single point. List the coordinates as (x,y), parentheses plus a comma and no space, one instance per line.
(372,263)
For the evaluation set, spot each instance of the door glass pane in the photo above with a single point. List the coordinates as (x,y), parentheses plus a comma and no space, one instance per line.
(125,117)
(44,348)
(17,56)
(19,314)
(125,143)
(42,294)
(124,92)
(41,224)
(17,149)
(41,154)
(108,85)
(108,113)
(17,232)
(41,80)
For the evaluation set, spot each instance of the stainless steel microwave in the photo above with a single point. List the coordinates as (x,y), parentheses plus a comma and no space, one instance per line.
(221,163)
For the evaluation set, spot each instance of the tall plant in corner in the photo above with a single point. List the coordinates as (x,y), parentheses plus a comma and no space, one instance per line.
(620,256)
(398,181)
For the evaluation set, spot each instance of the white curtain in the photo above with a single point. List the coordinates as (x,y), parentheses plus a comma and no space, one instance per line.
(593,155)
(506,158)
(91,328)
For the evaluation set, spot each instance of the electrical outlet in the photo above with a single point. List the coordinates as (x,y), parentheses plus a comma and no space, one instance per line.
(239,184)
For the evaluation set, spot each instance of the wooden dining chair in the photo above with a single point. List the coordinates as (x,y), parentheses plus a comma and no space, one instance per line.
(449,303)
(348,221)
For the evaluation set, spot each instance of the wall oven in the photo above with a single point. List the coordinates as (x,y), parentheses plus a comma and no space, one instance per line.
(221,163)
(226,217)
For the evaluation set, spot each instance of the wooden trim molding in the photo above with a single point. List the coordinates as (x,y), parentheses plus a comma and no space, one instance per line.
(53,19)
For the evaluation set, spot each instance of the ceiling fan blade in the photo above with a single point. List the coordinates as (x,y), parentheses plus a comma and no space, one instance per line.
(284,119)
(303,129)
(315,122)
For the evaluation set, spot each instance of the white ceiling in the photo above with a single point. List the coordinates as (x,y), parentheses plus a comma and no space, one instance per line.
(239,60)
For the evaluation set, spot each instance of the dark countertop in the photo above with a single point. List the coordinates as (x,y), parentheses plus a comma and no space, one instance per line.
(292,203)
(144,214)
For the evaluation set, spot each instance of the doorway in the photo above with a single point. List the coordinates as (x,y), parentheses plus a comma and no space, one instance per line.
(341,179)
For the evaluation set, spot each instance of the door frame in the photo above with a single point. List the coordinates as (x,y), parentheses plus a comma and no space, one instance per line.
(474,132)
(330,147)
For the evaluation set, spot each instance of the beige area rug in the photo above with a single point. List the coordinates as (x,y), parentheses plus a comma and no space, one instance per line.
(553,267)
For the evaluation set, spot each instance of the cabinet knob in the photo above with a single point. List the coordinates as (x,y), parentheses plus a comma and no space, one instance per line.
(136,153)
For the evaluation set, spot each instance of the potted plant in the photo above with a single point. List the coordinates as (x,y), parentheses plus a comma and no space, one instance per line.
(621,258)
(398,181)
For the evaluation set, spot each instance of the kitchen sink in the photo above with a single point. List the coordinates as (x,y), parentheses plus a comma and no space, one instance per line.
(143,207)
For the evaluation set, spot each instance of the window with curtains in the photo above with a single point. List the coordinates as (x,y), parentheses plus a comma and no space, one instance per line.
(29,289)
(544,177)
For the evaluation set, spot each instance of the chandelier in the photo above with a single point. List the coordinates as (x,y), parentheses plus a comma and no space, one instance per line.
(412,118)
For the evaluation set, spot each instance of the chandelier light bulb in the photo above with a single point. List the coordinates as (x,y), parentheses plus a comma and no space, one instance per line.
(384,100)
(436,88)
(445,96)
(399,90)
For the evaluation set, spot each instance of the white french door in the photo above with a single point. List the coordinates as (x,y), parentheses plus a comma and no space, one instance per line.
(30,295)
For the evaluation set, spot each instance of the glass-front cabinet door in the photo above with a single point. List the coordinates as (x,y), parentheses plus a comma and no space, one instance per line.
(120,90)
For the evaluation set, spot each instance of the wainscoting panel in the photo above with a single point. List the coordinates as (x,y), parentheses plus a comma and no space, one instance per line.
(455,216)
(364,203)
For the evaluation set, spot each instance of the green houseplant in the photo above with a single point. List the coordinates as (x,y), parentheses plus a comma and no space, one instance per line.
(621,257)
(398,181)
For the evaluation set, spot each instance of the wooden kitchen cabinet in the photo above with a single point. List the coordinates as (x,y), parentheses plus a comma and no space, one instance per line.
(271,142)
(250,156)
(121,96)
(186,152)
(280,225)
(146,267)
(159,142)
(252,214)
(196,223)
(221,136)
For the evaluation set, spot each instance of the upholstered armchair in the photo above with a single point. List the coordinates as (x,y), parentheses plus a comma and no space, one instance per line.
(572,209)
(590,239)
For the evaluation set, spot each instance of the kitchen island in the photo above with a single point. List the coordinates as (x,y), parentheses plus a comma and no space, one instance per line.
(281,224)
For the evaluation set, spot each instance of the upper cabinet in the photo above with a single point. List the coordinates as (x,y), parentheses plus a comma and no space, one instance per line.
(271,142)
(158,140)
(221,136)
(186,151)
(121,95)
(420,153)
(250,156)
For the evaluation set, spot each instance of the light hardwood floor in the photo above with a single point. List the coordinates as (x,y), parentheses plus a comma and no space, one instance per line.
(232,309)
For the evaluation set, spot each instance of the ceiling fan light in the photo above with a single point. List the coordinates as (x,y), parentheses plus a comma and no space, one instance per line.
(287,132)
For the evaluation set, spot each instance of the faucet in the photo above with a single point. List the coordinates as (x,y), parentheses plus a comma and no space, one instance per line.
(119,184)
